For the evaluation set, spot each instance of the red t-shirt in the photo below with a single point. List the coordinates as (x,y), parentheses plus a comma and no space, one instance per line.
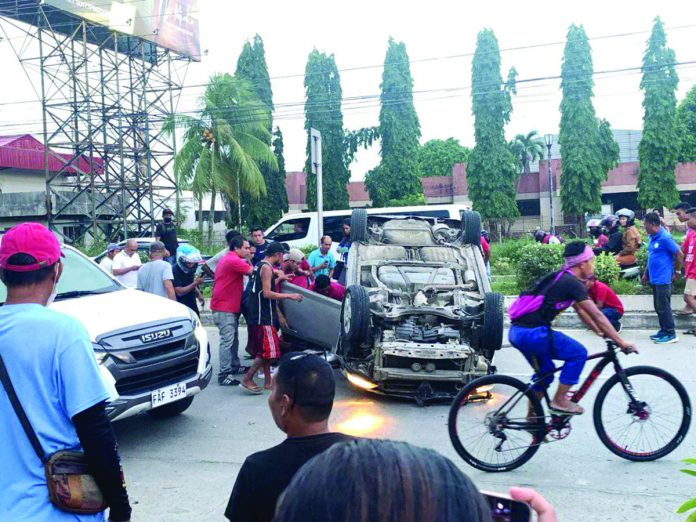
(228,285)
(602,292)
(485,247)
(336,291)
(688,249)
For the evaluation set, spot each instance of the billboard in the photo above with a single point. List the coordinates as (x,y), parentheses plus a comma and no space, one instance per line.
(169,23)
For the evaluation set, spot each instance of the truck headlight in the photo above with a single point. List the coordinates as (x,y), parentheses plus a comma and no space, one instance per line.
(99,352)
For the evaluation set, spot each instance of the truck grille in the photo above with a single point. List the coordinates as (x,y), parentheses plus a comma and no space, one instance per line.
(155,379)
(156,351)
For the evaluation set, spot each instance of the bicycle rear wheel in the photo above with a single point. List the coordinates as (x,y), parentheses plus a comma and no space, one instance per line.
(651,426)
(495,424)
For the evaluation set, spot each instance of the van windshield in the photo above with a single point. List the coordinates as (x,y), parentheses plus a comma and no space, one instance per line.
(290,230)
(81,276)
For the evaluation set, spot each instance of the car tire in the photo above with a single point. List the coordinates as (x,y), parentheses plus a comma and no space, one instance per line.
(493,324)
(172,409)
(471,227)
(355,318)
(358,225)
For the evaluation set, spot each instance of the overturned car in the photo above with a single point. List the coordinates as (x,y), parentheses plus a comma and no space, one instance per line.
(419,319)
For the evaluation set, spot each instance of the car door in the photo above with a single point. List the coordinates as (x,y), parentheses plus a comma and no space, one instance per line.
(316,319)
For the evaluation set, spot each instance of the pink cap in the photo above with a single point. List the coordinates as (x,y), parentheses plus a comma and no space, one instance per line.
(32,239)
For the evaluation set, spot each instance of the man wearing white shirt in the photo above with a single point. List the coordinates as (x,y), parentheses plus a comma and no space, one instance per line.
(126,264)
(107,263)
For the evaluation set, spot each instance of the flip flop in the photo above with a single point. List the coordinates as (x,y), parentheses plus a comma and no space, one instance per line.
(254,390)
(563,411)
(684,312)
(690,332)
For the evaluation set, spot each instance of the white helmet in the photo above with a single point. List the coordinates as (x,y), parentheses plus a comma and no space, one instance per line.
(592,223)
(624,212)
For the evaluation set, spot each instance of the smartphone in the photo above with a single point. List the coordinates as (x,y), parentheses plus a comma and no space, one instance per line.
(505,509)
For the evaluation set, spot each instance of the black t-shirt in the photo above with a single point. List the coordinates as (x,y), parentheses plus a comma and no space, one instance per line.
(266,474)
(181,279)
(167,234)
(260,252)
(564,292)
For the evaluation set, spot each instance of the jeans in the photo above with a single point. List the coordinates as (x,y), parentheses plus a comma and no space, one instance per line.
(614,317)
(662,295)
(534,342)
(228,324)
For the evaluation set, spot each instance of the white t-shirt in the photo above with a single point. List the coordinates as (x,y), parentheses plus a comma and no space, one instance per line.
(123,260)
(106,264)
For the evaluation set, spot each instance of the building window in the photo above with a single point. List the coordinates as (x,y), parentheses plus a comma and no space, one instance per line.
(529,207)
(218,216)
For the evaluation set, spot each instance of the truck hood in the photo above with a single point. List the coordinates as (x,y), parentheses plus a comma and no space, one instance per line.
(120,309)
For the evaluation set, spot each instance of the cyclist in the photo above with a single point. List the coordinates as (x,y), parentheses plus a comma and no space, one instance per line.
(531,332)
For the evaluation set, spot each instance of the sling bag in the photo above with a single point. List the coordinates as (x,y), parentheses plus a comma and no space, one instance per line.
(71,487)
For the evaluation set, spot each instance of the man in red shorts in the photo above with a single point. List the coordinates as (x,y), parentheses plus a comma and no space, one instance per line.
(264,317)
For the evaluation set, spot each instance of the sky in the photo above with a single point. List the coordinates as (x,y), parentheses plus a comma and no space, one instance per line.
(440,37)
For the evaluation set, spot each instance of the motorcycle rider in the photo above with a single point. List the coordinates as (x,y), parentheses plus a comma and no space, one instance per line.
(631,240)
(546,239)
(611,228)
(595,230)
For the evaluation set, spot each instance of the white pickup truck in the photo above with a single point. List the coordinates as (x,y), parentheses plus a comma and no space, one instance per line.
(153,353)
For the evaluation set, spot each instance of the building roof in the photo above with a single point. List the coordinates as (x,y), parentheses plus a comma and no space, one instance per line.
(25,152)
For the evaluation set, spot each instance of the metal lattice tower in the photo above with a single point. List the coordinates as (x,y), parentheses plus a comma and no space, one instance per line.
(105,97)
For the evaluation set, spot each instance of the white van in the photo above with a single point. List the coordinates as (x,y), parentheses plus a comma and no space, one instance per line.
(153,353)
(300,230)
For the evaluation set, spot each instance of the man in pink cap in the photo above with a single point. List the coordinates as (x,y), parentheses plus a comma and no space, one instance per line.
(50,364)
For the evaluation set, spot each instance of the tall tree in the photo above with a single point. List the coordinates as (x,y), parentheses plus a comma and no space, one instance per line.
(527,148)
(686,127)
(278,147)
(608,148)
(437,157)
(252,67)
(659,148)
(491,171)
(223,145)
(323,112)
(582,174)
(397,176)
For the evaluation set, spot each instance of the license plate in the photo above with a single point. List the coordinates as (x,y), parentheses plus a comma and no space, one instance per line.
(171,393)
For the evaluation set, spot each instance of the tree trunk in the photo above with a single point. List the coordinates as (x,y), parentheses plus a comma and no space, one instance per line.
(211,216)
(200,215)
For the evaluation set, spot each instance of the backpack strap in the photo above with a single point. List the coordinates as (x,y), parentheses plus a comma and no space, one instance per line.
(21,415)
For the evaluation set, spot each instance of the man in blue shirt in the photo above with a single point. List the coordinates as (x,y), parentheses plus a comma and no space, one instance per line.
(664,260)
(50,362)
(321,261)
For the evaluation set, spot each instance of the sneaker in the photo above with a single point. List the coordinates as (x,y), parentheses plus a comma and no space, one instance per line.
(657,335)
(666,339)
(227,380)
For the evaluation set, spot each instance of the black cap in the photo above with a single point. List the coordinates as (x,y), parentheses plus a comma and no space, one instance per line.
(167,211)
(307,378)
(274,248)
(691,210)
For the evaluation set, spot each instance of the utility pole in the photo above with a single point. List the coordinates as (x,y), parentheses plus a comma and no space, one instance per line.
(315,153)
(549,142)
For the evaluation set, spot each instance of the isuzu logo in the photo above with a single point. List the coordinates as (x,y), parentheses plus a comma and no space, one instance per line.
(156,336)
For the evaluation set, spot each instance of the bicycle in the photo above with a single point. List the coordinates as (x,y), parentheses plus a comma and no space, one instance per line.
(502,422)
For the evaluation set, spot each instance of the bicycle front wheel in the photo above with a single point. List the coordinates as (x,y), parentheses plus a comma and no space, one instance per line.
(496,424)
(652,423)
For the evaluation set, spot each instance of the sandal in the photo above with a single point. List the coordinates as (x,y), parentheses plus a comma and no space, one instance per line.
(577,410)
(254,390)
(690,332)
(684,312)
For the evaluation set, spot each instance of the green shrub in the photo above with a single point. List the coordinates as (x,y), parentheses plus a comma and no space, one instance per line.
(607,269)
(506,286)
(308,249)
(626,287)
(510,250)
(537,260)
(691,503)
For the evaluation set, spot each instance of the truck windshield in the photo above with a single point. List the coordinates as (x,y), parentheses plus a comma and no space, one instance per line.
(80,277)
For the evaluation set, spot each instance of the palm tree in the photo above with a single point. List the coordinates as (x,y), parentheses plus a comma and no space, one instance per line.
(527,149)
(223,145)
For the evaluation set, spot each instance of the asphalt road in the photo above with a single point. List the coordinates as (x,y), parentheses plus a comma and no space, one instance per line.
(184,468)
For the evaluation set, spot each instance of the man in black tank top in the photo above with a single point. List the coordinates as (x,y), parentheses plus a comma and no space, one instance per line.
(264,317)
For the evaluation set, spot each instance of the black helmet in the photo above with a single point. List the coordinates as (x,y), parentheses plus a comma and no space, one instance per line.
(484,234)
(609,224)
(539,235)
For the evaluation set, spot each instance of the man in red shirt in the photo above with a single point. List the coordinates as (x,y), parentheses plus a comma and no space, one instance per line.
(331,289)
(226,302)
(296,268)
(606,300)
(689,266)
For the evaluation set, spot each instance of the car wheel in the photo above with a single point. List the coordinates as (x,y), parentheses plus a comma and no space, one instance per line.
(358,225)
(492,338)
(471,227)
(355,318)
(172,409)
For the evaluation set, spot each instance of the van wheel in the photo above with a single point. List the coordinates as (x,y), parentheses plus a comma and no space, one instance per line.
(492,338)
(358,225)
(471,227)
(171,410)
(355,318)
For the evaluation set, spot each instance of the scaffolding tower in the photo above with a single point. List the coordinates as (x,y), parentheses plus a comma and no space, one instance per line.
(105,98)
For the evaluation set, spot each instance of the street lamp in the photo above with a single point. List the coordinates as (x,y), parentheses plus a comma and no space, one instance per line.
(548,138)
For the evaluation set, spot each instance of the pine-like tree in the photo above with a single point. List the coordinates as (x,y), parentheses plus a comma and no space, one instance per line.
(397,175)
(492,169)
(659,148)
(323,113)
(251,66)
(686,127)
(608,148)
(278,148)
(583,173)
